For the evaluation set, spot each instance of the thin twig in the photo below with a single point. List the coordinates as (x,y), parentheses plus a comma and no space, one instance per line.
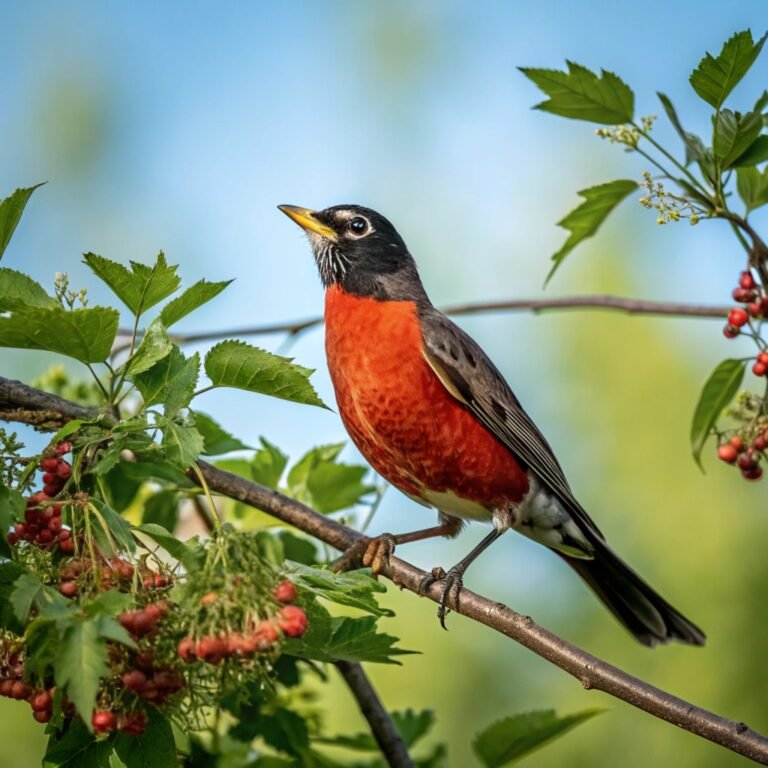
(383,729)
(599,301)
(591,671)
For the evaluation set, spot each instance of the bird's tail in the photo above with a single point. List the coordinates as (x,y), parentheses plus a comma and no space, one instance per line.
(649,617)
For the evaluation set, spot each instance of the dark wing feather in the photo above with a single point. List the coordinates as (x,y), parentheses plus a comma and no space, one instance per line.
(471,377)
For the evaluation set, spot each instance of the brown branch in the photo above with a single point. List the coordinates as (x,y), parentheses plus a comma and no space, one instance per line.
(591,671)
(616,303)
(383,729)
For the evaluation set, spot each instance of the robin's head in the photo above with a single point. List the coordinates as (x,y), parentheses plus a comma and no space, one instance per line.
(359,250)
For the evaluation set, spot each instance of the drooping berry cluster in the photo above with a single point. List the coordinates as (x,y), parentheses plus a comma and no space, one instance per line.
(750,294)
(735,451)
(42,524)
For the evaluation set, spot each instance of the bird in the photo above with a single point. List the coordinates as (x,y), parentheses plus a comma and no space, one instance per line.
(434,416)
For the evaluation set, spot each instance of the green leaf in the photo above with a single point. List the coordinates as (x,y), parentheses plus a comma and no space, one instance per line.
(11,209)
(26,590)
(352,588)
(119,528)
(80,664)
(155,468)
(185,552)
(17,291)
(755,154)
(111,629)
(85,334)
(412,726)
(155,748)
(584,221)
(109,603)
(351,639)
(162,509)
(9,574)
(337,486)
(172,381)
(155,345)
(299,474)
(140,287)
(240,365)
(752,186)
(182,443)
(195,296)
(268,464)
(715,78)
(720,388)
(694,146)
(734,134)
(580,94)
(508,740)
(216,439)
(12,507)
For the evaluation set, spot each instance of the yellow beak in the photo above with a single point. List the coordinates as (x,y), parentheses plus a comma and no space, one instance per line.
(305,218)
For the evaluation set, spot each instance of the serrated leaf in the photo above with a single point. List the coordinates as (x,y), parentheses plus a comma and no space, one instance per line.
(580,94)
(11,209)
(85,334)
(182,443)
(162,509)
(299,474)
(26,590)
(80,664)
(337,486)
(733,134)
(752,186)
(694,146)
(242,366)
(216,439)
(716,77)
(141,286)
(582,222)
(113,630)
(12,507)
(756,153)
(719,389)
(170,381)
(155,345)
(18,291)
(118,528)
(268,464)
(195,296)
(508,740)
(351,639)
(155,748)
(352,588)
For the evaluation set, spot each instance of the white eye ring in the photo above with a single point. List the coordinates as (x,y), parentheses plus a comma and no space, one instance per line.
(358,226)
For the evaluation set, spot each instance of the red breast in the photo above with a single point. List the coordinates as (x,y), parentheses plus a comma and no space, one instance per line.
(400,416)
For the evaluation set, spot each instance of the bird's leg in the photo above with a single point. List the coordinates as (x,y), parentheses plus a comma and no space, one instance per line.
(375,552)
(453,580)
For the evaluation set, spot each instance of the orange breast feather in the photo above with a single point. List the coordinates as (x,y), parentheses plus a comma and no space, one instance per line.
(403,420)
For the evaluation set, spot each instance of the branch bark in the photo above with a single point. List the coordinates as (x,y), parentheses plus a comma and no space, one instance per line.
(604,302)
(17,399)
(383,729)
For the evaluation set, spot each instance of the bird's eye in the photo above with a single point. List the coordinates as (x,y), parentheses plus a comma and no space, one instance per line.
(358,226)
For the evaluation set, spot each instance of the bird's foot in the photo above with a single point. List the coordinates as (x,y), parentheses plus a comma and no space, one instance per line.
(452,584)
(367,552)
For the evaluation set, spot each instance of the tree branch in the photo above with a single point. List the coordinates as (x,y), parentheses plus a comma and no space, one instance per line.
(616,303)
(16,398)
(383,729)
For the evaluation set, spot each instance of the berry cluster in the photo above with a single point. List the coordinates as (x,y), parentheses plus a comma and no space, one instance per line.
(750,294)
(736,452)
(151,681)
(106,721)
(12,686)
(42,524)
(259,637)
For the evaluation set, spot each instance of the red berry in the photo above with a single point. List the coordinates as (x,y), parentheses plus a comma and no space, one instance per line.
(63,471)
(746,280)
(134,679)
(37,498)
(763,358)
(730,332)
(43,715)
(68,588)
(19,690)
(264,638)
(49,465)
(737,443)
(759,369)
(292,620)
(211,649)
(52,489)
(209,598)
(63,448)
(50,477)
(727,453)
(186,650)
(759,443)
(45,536)
(145,660)
(66,546)
(41,701)
(747,460)
(738,317)
(54,525)
(755,473)
(13,539)
(134,724)
(755,309)
(103,721)
(6,685)
(285,591)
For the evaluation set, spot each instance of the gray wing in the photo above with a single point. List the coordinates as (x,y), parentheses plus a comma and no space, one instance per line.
(470,376)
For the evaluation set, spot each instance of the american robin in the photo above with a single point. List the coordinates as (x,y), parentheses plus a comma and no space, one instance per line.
(435,417)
